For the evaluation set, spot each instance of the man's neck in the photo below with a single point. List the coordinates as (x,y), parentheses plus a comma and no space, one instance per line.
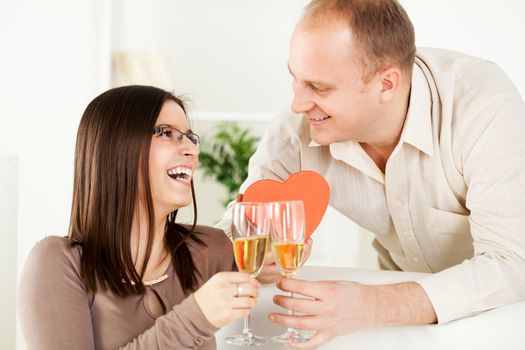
(381,150)
(378,154)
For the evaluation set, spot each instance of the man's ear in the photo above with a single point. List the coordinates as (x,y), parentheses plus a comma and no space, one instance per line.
(390,80)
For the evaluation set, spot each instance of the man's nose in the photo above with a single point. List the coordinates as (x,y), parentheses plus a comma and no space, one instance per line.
(301,103)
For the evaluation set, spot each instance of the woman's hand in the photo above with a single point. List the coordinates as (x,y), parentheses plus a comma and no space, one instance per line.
(218,299)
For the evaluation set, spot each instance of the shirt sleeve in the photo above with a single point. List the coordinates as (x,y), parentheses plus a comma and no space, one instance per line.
(276,158)
(492,159)
(53,305)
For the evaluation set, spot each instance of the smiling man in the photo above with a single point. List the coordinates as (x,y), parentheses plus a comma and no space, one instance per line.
(424,148)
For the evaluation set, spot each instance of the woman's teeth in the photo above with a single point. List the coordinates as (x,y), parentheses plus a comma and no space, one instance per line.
(180,173)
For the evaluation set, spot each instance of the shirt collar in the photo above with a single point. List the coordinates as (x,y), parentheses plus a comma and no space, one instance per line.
(417,131)
(353,154)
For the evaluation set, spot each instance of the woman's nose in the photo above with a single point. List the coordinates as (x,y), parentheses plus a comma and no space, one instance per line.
(189,148)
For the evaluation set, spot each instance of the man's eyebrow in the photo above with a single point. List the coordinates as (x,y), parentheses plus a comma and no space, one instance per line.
(313,82)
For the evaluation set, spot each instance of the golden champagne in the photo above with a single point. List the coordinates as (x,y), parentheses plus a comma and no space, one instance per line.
(288,257)
(249,253)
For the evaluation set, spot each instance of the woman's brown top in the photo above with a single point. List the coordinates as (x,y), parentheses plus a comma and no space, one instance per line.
(56,311)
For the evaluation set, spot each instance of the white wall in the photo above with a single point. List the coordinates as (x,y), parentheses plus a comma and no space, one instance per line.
(494,30)
(228,56)
(8,223)
(231,55)
(54,60)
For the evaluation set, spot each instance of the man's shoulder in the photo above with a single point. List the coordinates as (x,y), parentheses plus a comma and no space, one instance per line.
(288,126)
(463,78)
(436,56)
(447,66)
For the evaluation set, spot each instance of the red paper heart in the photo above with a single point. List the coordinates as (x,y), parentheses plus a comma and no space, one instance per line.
(308,186)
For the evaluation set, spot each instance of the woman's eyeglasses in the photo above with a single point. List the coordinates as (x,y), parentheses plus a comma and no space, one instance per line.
(175,134)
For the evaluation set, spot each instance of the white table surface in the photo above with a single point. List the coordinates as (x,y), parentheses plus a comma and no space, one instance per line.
(502,328)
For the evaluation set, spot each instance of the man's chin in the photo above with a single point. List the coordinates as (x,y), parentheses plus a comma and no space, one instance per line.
(320,139)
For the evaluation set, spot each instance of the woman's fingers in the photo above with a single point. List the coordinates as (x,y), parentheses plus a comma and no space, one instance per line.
(236,278)
(246,290)
(243,303)
(227,296)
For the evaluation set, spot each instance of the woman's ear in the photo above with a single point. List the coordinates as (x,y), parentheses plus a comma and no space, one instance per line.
(390,80)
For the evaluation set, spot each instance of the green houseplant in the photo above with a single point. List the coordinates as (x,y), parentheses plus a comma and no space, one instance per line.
(224,157)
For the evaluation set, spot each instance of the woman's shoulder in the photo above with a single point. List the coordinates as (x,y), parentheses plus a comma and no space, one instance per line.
(211,236)
(216,253)
(51,269)
(55,244)
(56,250)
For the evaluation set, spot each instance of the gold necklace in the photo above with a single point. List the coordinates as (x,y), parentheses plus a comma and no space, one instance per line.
(155,280)
(150,282)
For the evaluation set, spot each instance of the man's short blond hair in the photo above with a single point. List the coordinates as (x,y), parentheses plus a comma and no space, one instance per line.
(382,31)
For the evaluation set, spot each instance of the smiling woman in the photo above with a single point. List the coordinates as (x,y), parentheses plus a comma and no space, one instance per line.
(128,276)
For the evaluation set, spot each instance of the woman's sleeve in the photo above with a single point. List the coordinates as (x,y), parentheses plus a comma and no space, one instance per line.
(54,308)
(53,305)
(185,327)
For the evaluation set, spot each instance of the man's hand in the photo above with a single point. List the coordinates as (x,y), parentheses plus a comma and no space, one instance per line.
(341,307)
(270,273)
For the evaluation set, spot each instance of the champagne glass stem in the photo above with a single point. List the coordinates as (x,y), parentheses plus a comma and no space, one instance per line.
(290,313)
(246,328)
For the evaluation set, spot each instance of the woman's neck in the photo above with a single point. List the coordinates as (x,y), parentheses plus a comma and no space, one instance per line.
(160,257)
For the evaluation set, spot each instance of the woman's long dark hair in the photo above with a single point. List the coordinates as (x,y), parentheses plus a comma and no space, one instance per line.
(113,143)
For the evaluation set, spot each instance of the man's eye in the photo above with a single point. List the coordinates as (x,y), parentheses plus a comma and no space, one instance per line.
(319,89)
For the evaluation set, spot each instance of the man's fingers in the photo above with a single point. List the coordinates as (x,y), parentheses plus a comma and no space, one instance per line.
(314,289)
(300,322)
(268,258)
(313,343)
(305,306)
(269,277)
(307,250)
(269,274)
(271,269)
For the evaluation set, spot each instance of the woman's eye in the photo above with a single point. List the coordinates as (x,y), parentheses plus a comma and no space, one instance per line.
(166,133)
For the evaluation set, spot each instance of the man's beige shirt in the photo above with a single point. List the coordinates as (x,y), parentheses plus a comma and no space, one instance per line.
(452,198)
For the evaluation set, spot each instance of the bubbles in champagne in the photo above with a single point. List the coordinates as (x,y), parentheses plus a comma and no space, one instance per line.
(288,256)
(249,253)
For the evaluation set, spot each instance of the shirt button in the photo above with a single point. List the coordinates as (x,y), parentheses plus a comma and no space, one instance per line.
(414,259)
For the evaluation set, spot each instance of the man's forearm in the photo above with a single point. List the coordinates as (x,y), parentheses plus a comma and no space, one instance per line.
(400,304)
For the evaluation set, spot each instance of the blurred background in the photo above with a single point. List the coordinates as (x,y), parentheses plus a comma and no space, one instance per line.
(228,57)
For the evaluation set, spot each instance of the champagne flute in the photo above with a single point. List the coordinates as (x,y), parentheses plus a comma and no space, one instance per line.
(287,228)
(250,231)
